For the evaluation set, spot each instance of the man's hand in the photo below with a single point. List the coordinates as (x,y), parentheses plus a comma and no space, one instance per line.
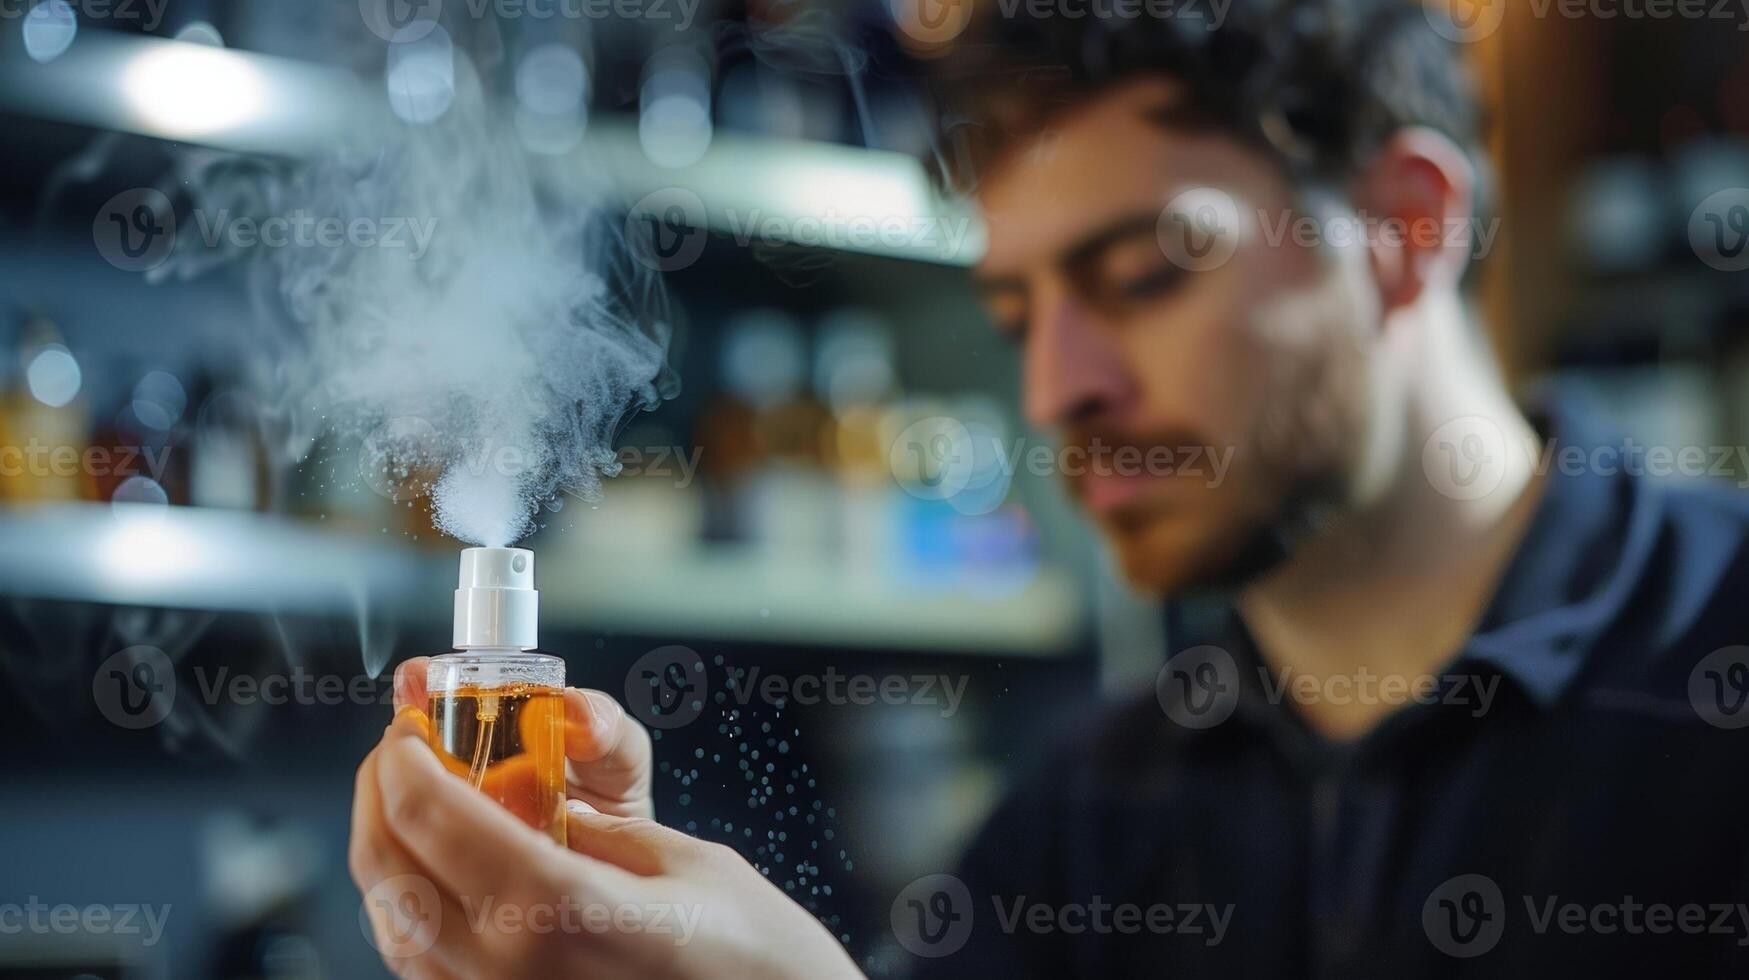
(607,752)
(455,886)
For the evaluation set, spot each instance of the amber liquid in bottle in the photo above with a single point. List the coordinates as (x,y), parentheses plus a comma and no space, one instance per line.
(507,741)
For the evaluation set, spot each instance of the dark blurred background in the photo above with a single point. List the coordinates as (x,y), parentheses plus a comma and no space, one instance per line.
(764,521)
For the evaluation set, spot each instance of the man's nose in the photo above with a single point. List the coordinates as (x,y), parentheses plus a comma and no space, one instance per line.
(1074,370)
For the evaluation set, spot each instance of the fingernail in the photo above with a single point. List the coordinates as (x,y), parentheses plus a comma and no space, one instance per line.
(579,807)
(409,715)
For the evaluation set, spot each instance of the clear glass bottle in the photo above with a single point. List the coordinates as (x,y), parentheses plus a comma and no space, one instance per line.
(497,707)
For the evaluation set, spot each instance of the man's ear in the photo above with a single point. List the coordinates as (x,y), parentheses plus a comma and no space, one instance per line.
(1418,193)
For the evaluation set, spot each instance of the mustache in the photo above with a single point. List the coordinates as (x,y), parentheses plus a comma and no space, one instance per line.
(1106,439)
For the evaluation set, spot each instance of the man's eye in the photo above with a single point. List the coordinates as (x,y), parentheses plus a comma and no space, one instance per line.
(1133,270)
(1155,282)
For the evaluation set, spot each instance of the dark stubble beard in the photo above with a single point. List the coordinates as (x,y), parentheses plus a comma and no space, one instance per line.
(1304,512)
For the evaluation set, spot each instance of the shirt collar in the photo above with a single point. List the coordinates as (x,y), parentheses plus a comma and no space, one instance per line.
(1582,556)
(1577,567)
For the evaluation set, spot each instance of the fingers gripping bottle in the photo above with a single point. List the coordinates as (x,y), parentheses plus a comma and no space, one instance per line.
(497,707)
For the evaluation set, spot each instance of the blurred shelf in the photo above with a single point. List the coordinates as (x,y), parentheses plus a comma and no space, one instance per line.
(731,594)
(195,558)
(877,202)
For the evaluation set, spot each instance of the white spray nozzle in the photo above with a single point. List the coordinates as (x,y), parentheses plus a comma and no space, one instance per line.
(496,604)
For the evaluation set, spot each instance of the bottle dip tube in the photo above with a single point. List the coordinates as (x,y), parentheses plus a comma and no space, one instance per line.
(496,707)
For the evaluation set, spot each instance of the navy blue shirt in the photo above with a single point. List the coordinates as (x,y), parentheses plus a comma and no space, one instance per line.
(1568,798)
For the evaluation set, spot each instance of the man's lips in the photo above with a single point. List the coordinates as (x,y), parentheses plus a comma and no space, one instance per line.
(1108,494)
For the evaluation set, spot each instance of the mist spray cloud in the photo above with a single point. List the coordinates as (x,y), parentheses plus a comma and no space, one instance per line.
(485,339)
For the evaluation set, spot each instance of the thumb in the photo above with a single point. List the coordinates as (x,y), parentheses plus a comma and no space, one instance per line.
(639,845)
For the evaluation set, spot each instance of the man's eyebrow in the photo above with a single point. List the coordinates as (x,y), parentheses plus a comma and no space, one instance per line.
(1080,251)
(1101,238)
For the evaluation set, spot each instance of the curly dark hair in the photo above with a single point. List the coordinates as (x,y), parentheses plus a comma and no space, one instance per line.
(1317,84)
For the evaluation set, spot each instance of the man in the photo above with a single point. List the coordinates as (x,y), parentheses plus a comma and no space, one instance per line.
(1452,711)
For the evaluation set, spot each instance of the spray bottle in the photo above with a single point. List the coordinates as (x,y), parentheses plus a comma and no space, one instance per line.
(496,707)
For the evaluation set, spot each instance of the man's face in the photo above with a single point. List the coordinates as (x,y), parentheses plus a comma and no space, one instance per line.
(1155,358)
